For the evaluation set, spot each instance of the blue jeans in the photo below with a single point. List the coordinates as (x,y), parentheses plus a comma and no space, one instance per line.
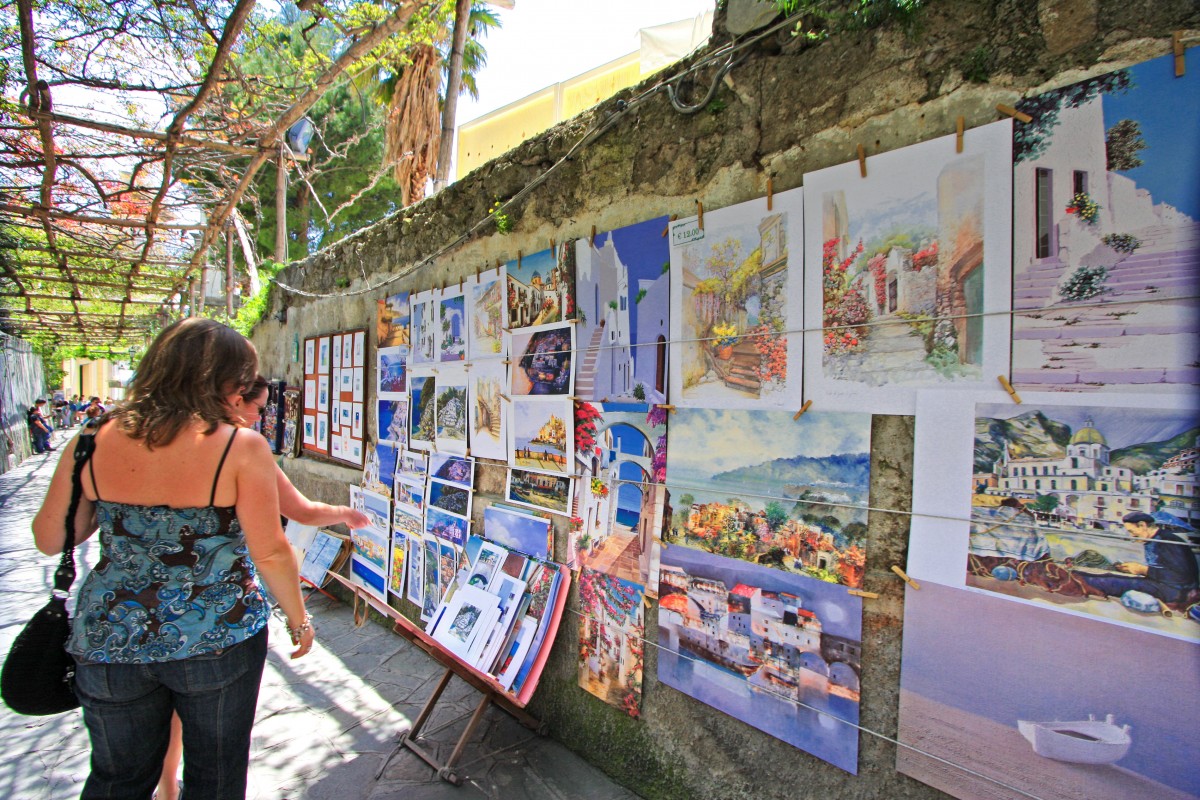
(127,710)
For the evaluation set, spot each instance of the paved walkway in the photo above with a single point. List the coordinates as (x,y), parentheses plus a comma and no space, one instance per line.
(325,723)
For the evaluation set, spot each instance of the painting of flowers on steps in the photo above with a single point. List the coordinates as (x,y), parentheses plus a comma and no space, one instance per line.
(1106,258)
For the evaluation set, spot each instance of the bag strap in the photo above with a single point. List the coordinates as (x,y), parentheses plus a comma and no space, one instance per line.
(64,576)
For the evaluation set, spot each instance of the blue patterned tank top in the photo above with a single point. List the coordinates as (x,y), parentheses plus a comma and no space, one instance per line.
(171,583)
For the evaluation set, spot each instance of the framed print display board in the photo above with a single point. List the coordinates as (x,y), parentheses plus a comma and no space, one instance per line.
(334,395)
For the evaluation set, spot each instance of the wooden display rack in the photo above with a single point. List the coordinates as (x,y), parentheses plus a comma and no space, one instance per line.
(491,692)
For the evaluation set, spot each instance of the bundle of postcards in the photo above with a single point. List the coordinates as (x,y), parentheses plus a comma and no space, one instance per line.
(499,613)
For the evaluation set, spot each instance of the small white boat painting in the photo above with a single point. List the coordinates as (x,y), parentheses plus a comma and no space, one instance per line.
(1087,741)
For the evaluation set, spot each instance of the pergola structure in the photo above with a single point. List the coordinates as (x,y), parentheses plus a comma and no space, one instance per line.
(108,227)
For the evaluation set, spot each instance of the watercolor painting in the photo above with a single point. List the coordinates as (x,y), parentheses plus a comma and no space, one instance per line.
(448,558)
(422,392)
(392,321)
(909,279)
(446,526)
(432,590)
(624,319)
(1047,483)
(452,327)
(399,567)
(448,497)
(486,301)
(391,371)
(1106,262)
(761,486)
(521,532)
(778,651)
(489,432)
(539,490)
(406,523)
(392,419)
(452,411)
(458,470)
(541,287)
(610,640)
(414,590)
(1053,706)
(379,468)
(540,434)
(371,544)
(422,329)
(543,360)
(412,467)
(621,460)
(736,330)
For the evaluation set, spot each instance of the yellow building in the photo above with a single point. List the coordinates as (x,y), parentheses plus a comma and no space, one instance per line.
(493,134)
(95,378)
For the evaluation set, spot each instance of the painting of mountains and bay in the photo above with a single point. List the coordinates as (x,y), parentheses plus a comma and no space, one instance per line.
(1056,494)
(779,651)
(736,330)
(623,286)
(909,273)
(1106,259)
(760,486)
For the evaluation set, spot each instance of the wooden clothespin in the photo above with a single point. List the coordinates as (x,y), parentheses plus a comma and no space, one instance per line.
(666,407)
(1178,49)
(1020,116)
(518,259)
(958,136)
(700,213)
(478,270)
(1008,387)
(506,361)
(770,192)
(667,229)
(904,576)
(807,405)
(506,398)
(862,161)
(460,282)
(592,241)
(861,593)
(554,247)
(499,264)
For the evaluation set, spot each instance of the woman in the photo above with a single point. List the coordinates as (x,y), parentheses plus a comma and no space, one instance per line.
(245,411)
(173,618)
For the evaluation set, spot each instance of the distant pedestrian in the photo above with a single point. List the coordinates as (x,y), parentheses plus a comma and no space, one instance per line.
(39,427)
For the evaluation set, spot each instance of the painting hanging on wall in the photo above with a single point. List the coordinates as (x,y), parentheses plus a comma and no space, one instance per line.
(621,460)
(1106,260)
(611,635)
(778,651)
(736,340)
(539,490)
(623,322)
(371,545)
(451,326)
(291,421)
(768,488)
(451,410)
(392,418)
(541,287)
(485,299)
(909,280)
(422,409)
(1076,709)
(422,328)
(488,432)
(543,360)
(524,533)
(1086,509)
(541,434)
(392,321)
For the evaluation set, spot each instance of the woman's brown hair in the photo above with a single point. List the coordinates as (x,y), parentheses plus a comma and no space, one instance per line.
(184,378)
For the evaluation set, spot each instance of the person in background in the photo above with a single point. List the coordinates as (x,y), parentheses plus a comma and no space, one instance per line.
(39,427)
(244,412)
(173,616)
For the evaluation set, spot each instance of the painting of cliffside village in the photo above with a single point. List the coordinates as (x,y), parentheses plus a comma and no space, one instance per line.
(622,280)
(541,287)
(778,651)
(736,302)
(622,497)
(901,265)
(540,436)
(1106,259)
(611,640)
(1087,509)
(763,487)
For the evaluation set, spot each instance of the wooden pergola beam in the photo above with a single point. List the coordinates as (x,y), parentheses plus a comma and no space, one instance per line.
(51,213)
(97,284)
(62,297)
(167,281)
(151,262)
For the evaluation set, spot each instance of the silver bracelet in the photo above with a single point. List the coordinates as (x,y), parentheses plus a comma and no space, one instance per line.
(298,632)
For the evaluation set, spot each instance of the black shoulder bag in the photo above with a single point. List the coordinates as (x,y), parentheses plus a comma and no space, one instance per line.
(38,674)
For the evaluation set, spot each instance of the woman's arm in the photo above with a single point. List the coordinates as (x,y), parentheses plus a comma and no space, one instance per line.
(49,525)
(296,506)
(258,513)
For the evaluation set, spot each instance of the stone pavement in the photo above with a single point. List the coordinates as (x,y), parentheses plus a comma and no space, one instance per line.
(325,722)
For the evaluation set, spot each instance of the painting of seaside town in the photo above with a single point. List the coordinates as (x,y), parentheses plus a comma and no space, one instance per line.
(621,460)
(623,323)
(737,322)
(1078,709)
(542,360)
(541,435)
(391,321)
(1051,487)
(906,267)
(611,636)
(541,287)
(539,490)
(1106,256)
(452,411)
(778,651)
(763,487)
(487,316)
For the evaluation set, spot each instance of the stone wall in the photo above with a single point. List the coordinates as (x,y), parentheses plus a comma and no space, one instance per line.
(786,108)
(21,382)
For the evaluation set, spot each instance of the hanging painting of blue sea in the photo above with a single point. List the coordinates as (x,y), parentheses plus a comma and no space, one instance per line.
(1106,259)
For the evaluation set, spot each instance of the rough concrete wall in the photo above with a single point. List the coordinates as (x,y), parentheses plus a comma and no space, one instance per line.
(22,381)
(788,109)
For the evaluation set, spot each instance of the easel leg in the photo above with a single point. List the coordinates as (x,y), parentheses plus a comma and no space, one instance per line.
(447,772)
(414,731)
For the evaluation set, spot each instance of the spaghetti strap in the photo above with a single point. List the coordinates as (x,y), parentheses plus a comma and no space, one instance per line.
(212,497)
(92,473)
